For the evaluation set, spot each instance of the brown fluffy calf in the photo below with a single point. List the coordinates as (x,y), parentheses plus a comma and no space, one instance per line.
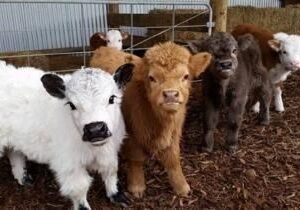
(109,59)
(154,107)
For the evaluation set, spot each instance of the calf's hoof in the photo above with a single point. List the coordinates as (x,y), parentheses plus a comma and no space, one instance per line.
(119,199)
(232,148)
(206,149)
(264,122)
(184,190)
(137,191)
(83,207)
(26,180)
(279,108)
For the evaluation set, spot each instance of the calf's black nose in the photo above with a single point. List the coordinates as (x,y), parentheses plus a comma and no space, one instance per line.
(96,130)
(226,64)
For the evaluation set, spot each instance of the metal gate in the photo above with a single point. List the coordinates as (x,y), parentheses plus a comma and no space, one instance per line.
(30,30)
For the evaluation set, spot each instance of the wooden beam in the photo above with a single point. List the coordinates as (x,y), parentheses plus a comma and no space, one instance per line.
(113,8)
(219,14)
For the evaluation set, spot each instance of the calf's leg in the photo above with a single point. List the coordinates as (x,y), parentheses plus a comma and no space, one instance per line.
(18,165)
(170,159)
(135,172)
(211,118)
(278,99)
(234,120)
(74,184)
(109,173)
(265,97)
(255,107)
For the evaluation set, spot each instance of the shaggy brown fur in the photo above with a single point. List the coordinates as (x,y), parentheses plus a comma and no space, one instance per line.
(109,59)
(269,57)
(154,107)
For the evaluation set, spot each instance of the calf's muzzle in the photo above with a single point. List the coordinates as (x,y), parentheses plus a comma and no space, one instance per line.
(225,64)
(95,132)
(171,96)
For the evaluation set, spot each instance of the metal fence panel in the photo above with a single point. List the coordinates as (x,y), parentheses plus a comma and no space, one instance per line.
(32,25)
(44,26)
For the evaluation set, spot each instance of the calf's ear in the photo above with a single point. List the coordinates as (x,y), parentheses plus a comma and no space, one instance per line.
(123,74)
(54,85)
(124,35)
(245,41)
(274,44)
(199,62)
(102,36)
(194,46)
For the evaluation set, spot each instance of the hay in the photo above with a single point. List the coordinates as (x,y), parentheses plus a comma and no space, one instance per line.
(274,19)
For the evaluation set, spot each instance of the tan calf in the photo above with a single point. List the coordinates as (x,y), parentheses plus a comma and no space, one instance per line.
(110,59)
(154,107)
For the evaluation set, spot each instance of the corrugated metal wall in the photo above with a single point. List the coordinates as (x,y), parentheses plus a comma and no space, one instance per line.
(255,3)
(147,8)
(47,26)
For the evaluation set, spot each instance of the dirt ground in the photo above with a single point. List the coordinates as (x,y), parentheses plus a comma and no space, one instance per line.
(263,174)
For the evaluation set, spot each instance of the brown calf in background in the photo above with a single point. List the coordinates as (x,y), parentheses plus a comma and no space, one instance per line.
(109,59)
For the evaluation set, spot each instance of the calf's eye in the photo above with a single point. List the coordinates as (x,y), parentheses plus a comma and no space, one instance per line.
(152,79)
(112,99)
(234,51)
(284,52)
(186,77)
(72,106)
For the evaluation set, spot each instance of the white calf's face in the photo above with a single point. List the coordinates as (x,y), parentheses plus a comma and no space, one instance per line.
(288,47)
(94,100)
(92,97)
(114,39)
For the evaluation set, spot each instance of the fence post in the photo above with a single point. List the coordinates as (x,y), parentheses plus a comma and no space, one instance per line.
(113,8)
(219,14)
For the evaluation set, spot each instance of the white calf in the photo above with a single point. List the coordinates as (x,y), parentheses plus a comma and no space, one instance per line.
(73,123)
(288,48)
